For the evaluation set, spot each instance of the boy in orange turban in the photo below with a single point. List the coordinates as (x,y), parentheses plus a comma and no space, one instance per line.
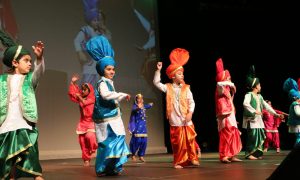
(180,107)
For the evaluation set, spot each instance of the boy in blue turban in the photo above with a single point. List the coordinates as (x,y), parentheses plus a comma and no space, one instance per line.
(112,148)
(291,87)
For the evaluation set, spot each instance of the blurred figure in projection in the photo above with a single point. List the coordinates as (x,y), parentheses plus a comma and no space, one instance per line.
(149,46)
(8,24)
(95,25)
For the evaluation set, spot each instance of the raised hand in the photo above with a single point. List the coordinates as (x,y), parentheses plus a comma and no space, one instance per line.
(159,65)
(38,49)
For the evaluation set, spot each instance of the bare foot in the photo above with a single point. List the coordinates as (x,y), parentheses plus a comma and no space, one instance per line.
(38,178)
(195,163)
(178,167)
(225,160)
(86,163)
(133,158)
(142,159)
(278,150)
(251,157)
(266,150)
(235,159)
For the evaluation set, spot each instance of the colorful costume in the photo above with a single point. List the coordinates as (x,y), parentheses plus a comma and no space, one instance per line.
(18,118)
(271,129)
(252,122)
(85,128)
(112,148)
(291,87)
(179,102)
(230,142)
(138,128)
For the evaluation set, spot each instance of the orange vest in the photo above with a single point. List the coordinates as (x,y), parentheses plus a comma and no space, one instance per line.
(170,98)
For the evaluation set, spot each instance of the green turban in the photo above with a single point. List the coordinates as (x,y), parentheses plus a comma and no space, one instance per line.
(13,52)
(251,80)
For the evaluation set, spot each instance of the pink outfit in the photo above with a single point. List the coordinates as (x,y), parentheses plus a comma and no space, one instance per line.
(230,143)
(271,129)
(86,127)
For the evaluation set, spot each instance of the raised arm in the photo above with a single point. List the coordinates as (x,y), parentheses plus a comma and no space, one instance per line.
(156,80)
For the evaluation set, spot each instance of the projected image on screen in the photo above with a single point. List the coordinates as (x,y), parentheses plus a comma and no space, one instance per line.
(8,24)
(64,27)
(95,25)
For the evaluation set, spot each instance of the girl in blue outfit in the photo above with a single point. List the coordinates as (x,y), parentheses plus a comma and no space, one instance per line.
(138,128)
(112,149)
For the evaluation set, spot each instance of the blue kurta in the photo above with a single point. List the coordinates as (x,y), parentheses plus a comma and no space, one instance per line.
(138,128)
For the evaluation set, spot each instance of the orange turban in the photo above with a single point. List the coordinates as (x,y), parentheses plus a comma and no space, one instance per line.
(178,58)
(221,73)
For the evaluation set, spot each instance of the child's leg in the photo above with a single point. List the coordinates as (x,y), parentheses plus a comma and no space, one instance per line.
(142,148)
(86,157)
(90,138)
(268,140)
(133,147)
(297,139)
(276,141)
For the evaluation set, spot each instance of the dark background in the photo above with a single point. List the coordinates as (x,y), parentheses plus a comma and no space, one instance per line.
(242,33)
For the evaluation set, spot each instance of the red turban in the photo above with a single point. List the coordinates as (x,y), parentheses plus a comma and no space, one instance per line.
(178,58)
(222,74)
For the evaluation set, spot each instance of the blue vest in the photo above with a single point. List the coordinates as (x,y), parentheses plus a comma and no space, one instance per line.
(293,119)
(104,109)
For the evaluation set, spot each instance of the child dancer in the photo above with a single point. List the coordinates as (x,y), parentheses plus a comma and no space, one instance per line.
(138,128)
(271,128)
(252,117)
(180,107)
(112,148)
(85,128)
(291,87)
(230,142)
(19,154)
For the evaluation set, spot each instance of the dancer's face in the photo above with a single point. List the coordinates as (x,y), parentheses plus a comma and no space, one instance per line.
(109,72)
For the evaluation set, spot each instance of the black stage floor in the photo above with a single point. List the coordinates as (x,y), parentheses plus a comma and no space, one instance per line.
(159,166)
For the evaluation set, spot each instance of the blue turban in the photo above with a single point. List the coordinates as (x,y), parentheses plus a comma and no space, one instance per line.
(91,11)
(294,95)
(289,84)
(101,51)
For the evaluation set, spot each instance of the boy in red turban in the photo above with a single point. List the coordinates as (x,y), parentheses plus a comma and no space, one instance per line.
(230,142)
(180,107)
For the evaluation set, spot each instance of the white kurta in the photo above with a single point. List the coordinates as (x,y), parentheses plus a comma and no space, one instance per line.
(15,119)
(257,121)
(115,123)
(176,118)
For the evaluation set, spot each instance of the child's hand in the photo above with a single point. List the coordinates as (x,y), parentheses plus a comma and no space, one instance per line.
(159,65)
(151,104)
(75,78)
(38,49)
(128,97)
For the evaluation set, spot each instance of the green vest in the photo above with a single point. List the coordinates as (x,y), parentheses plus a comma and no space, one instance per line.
(253,103)
(28,100)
